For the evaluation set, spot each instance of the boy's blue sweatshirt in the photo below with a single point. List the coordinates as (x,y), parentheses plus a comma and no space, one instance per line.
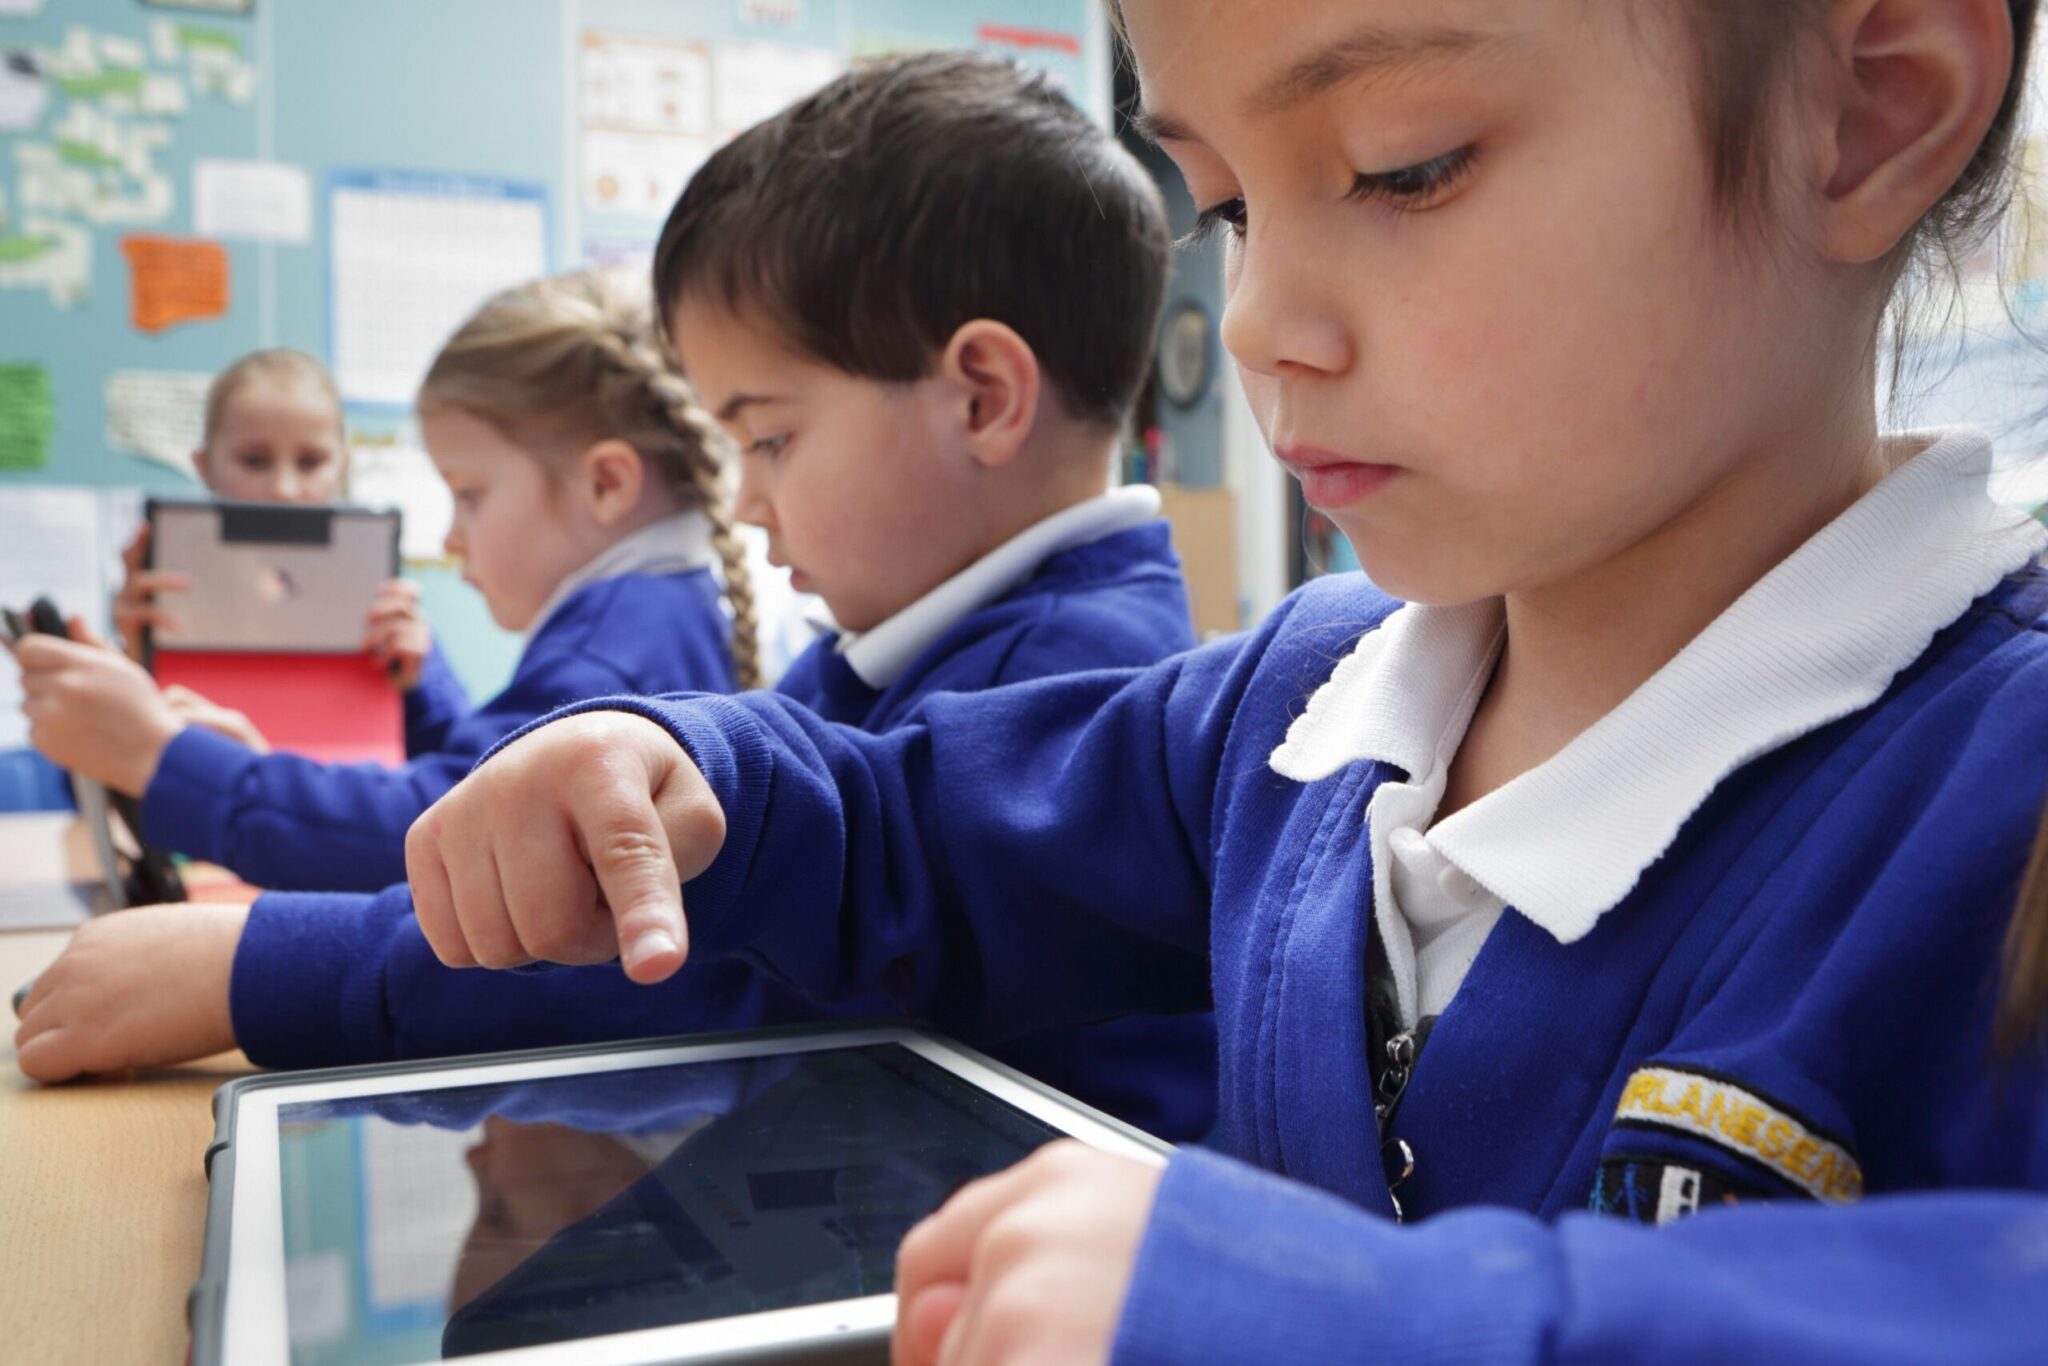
(320,980)
(1788,1013)
(284,821)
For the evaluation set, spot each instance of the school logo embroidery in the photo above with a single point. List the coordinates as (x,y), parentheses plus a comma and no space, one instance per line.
(1651,1191)
(1743,1123)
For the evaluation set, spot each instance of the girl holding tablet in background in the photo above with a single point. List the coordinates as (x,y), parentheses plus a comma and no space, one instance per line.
(588,512)
(274,434)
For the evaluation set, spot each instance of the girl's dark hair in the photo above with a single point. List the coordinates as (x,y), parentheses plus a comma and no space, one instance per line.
(867,222)
(1744,47)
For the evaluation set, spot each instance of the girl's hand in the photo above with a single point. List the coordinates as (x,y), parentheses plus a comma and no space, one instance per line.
(139,988)
(135,606)
(397,633)
(195,710)
(93,710)
(1027,1266)
(569,846)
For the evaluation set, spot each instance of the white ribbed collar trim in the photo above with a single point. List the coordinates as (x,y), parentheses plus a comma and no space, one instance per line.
(1817,638)
(881,654)
(679,543)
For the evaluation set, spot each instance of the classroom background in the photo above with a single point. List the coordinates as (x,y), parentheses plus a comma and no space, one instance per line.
(182,181)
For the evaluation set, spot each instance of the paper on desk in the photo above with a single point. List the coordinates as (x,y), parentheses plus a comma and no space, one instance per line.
(54,542)
(36,891)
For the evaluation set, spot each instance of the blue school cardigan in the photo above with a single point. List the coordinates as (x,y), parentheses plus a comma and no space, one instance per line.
(433,705)
(320,980)
(1782,1028)
(284,821)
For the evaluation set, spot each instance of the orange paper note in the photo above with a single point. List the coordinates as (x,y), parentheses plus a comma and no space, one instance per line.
(175,280)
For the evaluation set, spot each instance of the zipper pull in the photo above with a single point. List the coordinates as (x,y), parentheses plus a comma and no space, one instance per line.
(1396,1156)
(1399,1160)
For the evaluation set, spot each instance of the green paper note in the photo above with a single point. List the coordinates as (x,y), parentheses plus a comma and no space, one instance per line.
(28,413)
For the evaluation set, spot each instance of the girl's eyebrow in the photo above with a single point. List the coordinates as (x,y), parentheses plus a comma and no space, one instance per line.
(1374,53)
(739,403)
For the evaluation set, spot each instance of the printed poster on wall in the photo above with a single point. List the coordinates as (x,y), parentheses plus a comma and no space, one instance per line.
(411,255)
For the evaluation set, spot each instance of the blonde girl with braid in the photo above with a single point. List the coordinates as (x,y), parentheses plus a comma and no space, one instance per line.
(590,513)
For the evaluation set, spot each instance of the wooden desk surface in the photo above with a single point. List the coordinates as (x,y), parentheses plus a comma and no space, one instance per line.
(102,1199)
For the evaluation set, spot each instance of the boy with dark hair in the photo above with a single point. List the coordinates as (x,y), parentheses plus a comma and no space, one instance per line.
(923,300)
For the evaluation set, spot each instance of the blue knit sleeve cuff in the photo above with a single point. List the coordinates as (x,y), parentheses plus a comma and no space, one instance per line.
(730,748)
(308,982)
(432,705)
(187,805)
(1241,1265)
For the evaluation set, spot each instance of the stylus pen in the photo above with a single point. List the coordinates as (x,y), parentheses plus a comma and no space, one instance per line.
(21,994)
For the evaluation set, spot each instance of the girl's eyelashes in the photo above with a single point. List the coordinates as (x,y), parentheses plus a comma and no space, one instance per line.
(1408,189)
(1414,188)
(770,446)
(1230,213)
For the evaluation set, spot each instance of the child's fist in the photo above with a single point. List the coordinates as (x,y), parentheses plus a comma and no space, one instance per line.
(140,988)
(569,846)
(93,710)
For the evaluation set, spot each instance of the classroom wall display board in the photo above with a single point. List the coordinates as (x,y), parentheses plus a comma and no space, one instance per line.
(182,182)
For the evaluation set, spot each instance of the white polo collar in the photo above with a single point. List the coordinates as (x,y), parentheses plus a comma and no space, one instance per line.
(883,653)
(679,543)
(1818,637)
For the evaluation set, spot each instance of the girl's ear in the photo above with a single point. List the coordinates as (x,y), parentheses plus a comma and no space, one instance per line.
(994,379)
(610,477)
(1916,85)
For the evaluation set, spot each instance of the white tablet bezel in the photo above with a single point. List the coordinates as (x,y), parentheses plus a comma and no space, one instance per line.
(254,1330)
(221,615)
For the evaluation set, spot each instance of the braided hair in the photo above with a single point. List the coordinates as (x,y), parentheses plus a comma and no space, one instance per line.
(562,363)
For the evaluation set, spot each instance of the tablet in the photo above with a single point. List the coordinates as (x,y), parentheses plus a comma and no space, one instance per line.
(718,1199)
(269,577)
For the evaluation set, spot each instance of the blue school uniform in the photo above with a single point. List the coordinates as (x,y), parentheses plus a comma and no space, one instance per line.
(434,705)
(1775,1037)
(324,979)
(284,821)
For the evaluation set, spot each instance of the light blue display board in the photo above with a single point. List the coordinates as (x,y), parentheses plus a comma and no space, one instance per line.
(475,88)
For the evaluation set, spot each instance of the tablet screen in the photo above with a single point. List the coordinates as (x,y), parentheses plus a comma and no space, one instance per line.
(272,579)
(473,1219)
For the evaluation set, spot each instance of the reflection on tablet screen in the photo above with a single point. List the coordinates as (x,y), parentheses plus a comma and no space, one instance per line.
(481,1218)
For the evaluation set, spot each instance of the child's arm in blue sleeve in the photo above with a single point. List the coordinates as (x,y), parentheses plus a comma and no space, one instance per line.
(324,979)
(1014,859)
(1240,1265)
(308,984)
(433,705)
(288,823)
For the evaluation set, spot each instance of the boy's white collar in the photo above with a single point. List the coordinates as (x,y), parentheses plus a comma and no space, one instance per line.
(880,655)
(1817,638)
(679,543)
